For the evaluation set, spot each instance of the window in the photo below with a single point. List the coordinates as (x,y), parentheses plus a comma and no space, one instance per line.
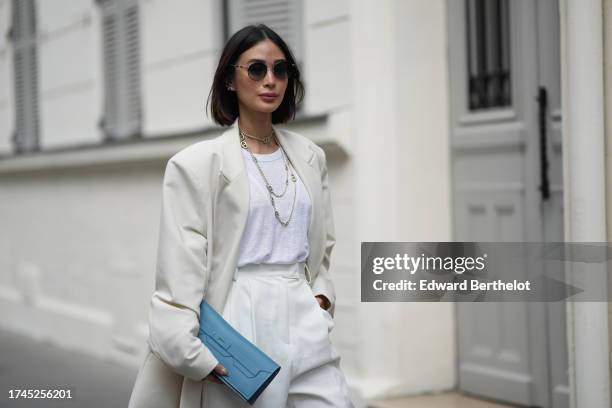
(25,60)
(488,39)
(121,53)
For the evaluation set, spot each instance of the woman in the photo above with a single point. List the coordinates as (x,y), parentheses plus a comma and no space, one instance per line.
(246,224)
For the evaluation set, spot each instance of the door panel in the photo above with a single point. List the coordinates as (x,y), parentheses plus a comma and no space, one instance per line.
(512,352)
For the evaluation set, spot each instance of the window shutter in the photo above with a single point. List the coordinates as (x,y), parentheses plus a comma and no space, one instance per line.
(132,68)
(25,60)
(121,48)
(283,16)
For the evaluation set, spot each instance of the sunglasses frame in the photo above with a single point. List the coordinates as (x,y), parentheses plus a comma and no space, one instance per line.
(247,67)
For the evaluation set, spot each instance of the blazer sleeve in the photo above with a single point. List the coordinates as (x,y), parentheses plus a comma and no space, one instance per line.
(323,283)
(181,277)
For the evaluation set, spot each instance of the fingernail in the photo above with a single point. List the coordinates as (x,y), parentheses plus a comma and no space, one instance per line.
(224,372)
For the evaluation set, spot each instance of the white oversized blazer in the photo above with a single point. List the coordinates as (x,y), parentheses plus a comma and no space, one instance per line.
(205,205)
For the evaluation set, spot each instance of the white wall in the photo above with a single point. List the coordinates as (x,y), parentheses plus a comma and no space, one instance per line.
(326,56)
(422,122)
(180,51)
(402,183)
(77,256)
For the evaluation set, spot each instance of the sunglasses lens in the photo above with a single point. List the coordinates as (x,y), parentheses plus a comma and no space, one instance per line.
(257,70)
(281,69)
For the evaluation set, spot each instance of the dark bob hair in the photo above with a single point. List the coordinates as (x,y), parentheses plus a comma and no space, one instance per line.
(224,107)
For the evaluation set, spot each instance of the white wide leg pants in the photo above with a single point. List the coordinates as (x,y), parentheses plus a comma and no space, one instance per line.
(274,307)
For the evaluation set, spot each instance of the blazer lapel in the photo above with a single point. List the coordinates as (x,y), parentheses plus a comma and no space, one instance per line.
(233,165)
(231,209)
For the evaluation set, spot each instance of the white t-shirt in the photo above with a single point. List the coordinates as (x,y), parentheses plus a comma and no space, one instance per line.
(265,240)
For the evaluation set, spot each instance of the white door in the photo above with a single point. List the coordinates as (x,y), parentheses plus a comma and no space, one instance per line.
(506,168)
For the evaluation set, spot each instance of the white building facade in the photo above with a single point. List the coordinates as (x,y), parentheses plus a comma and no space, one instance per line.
(95,96)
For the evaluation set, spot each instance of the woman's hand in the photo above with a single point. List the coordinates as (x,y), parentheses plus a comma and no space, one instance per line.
(219,369)
(323,302)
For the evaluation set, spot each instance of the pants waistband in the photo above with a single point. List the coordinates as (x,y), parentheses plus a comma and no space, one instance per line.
(295,270)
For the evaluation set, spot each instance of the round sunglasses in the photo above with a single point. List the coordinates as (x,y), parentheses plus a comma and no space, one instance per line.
(258,70)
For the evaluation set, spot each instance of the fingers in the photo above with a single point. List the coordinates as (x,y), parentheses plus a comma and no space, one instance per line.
(219,369)
(320,301)
(323,301)
(214,379)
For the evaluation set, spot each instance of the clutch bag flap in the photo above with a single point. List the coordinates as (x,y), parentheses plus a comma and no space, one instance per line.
(250,369)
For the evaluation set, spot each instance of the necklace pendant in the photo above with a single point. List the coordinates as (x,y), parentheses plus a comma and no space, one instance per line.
(243,143)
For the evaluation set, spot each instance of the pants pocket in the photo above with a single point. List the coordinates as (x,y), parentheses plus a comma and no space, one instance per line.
(326,317)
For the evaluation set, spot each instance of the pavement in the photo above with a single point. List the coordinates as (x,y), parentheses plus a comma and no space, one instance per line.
(29,364)
(94,383)
(443,400)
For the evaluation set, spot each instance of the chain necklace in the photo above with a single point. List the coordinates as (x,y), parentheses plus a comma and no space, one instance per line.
(271,192)
(265,140)
(269,187)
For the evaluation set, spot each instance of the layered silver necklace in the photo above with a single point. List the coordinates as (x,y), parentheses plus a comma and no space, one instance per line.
(288,172)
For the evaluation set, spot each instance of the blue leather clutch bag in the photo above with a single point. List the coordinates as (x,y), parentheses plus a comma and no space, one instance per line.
(250,369)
